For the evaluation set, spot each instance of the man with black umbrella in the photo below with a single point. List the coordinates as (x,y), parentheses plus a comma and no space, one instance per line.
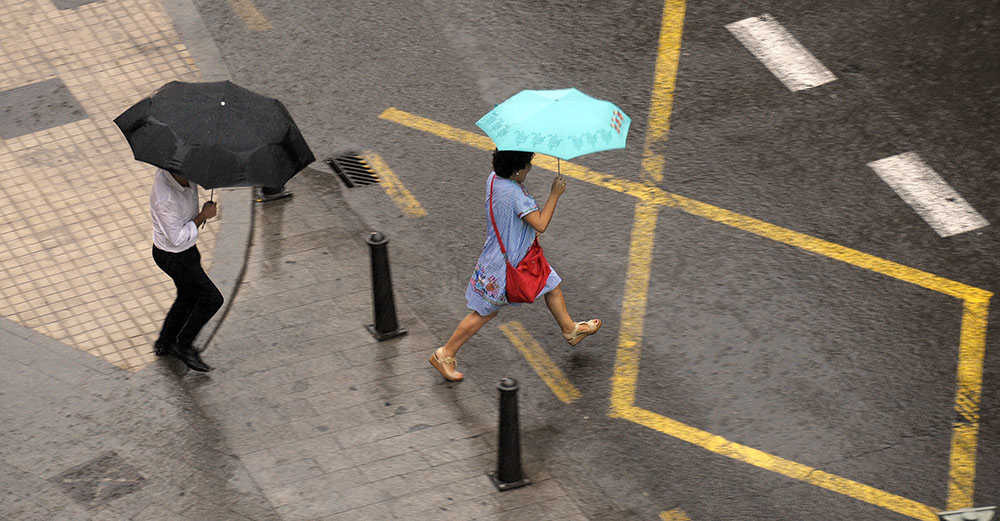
(176,219)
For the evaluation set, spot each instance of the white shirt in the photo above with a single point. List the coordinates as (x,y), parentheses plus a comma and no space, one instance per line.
(173,208)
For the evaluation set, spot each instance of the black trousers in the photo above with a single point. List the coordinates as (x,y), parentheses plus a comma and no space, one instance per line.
(197,297)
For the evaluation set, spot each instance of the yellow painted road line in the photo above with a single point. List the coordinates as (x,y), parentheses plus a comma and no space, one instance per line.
(652,194)
(253,18)
(973,333)
(394,187)
(827,249)
(972,349)
(639,190)
(791,469)
(674,515)
(664,80)
(540,361)
(634,306)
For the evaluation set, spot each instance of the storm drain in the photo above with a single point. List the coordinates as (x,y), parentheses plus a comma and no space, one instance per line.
(353,170)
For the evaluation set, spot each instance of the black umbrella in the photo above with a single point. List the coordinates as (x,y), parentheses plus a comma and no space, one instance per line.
(216,134)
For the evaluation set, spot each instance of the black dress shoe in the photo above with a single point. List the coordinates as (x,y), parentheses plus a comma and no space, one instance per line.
(189,355)
(161,348)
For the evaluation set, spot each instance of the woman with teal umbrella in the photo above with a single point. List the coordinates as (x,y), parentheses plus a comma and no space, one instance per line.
(563,123)
(515,221)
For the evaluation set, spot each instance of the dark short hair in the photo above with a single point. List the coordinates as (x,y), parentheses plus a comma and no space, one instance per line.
(507,162)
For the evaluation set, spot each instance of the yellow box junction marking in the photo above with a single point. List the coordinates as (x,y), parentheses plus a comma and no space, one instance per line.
(394,187)
(972,345)
(247,11)
(664,80)
(540,361)
(971,351)
(674,515)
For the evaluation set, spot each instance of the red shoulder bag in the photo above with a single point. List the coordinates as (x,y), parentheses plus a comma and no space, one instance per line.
(527,280)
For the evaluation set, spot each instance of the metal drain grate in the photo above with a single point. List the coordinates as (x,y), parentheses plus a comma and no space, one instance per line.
(353,170)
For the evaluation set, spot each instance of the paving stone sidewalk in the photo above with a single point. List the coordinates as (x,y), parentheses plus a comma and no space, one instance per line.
(331,424)
(306,416)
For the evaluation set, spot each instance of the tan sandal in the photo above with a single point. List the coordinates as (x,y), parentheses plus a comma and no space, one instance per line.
(446,366)
(583,329)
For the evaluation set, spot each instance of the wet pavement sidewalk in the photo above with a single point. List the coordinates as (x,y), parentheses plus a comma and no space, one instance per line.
(306,417)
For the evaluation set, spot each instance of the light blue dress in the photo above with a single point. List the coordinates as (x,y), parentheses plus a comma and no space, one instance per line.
(486,291)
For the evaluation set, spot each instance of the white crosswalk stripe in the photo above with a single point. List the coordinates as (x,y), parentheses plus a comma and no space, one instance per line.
(932,198)
(780,52)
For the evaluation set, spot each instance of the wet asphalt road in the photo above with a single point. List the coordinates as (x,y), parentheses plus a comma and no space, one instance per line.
(804,357)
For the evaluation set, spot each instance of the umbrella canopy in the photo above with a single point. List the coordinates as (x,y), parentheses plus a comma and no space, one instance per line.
(564,123)
(216,134)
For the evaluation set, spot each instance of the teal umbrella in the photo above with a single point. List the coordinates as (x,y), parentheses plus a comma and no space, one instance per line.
(563,123)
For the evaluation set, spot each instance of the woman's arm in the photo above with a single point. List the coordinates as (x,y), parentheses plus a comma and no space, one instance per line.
(540,220)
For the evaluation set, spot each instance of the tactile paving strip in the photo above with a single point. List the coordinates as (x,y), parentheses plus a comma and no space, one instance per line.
(75,260)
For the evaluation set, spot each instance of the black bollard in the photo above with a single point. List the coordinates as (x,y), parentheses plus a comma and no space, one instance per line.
(386,326)
(508,474)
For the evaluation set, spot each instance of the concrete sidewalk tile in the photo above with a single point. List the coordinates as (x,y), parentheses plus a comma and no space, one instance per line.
(557,509)
(328,401)
(444,497)
(454,450)
(287,473)
(377,511)
(445,433)
(363,454)
(270,246)
(255,509)
(31,510)
(205,511)
(320,496)
(433,477)
(408,382)
(368,433)
(333,422)
(544,492)
(391,366)
(330,391)
(265,304)
(156,512)
(541,490)
(404,464)
(462,510)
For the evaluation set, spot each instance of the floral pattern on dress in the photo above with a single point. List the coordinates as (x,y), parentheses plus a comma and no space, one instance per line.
(487,286)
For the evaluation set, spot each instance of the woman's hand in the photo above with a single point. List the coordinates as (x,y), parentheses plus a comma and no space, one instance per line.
(558,186)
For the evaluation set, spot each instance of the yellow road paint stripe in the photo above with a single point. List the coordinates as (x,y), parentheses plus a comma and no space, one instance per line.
(638,190)
(253,18)
(540,361)
(674,515)
(394,187)
(827,249)
(791,469)
(974,323)
(972,349)
(664,80)
(652,194)
(634,306)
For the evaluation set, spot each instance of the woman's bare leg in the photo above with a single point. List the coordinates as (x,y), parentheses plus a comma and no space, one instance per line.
(469,325)
(557,306)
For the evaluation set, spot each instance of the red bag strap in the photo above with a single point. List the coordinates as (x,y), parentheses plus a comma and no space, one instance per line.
(494,221)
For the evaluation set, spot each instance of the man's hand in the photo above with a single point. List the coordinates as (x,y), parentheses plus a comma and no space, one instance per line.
(209,209)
